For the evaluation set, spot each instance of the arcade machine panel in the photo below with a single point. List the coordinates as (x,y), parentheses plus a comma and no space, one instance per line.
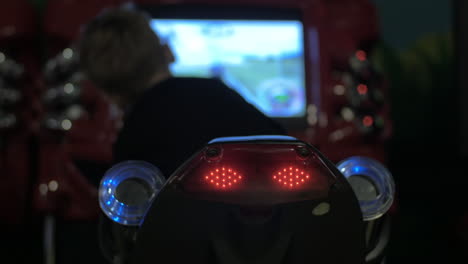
(258,52)
(18,108)
(78,125)
(297,89)
(319,81)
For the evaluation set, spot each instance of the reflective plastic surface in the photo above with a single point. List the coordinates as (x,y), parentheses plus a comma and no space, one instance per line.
(266,171)
(127,191)
(372,183)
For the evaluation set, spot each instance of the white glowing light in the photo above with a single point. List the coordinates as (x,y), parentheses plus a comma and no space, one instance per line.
(43,189)
(69,88)
(53,186)
(67,53)
(66,124)
(347,114)
(339,89)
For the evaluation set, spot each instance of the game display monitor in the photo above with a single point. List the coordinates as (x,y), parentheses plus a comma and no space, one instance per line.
(258,54)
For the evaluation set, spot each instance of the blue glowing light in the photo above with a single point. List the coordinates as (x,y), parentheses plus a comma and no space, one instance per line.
(118,211)
(376,177)
(358,169)
(252,138)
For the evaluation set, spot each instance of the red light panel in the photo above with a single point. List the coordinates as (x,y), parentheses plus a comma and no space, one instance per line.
(291,177)
(223,177)
(361,55)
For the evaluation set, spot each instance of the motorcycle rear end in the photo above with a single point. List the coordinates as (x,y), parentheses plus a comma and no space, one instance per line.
(259,199)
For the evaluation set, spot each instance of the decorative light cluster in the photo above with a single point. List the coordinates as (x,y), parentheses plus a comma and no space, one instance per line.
(223,177)
(291,177)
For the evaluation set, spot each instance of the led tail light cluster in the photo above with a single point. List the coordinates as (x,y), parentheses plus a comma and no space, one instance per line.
(291,177)
(271,172)
(223,177)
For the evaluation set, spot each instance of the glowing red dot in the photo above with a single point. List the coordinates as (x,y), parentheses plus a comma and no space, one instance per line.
(212,181)
(207,177)
(279,180)
(297,183)
(274,177)
(368,121)
(229,184)
(302,180)
(224,180)
(297,176)
(229,170)
(285,183)
(290,168)
(217,177)
(307,176)
(223,168)
(217,170)
(291,185)
(224,185)
(229,177)
(240,177)
(290,179)
(217,184)
(362,89)
(224,174)
(235,180)
(361,55)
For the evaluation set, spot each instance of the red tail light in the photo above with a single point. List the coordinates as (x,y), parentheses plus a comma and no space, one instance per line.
(223,177)
(255,172)
(291,177)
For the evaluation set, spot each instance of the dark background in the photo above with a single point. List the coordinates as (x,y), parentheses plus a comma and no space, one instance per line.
(426,63)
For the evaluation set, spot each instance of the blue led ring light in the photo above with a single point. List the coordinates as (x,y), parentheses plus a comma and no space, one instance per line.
(127,191)
(372,183)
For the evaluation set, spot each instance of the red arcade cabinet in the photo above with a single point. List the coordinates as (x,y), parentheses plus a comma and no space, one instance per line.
(18,108)
(78,123)
(320,83)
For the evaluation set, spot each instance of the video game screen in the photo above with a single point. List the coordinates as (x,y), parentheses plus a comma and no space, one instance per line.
(263,60)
